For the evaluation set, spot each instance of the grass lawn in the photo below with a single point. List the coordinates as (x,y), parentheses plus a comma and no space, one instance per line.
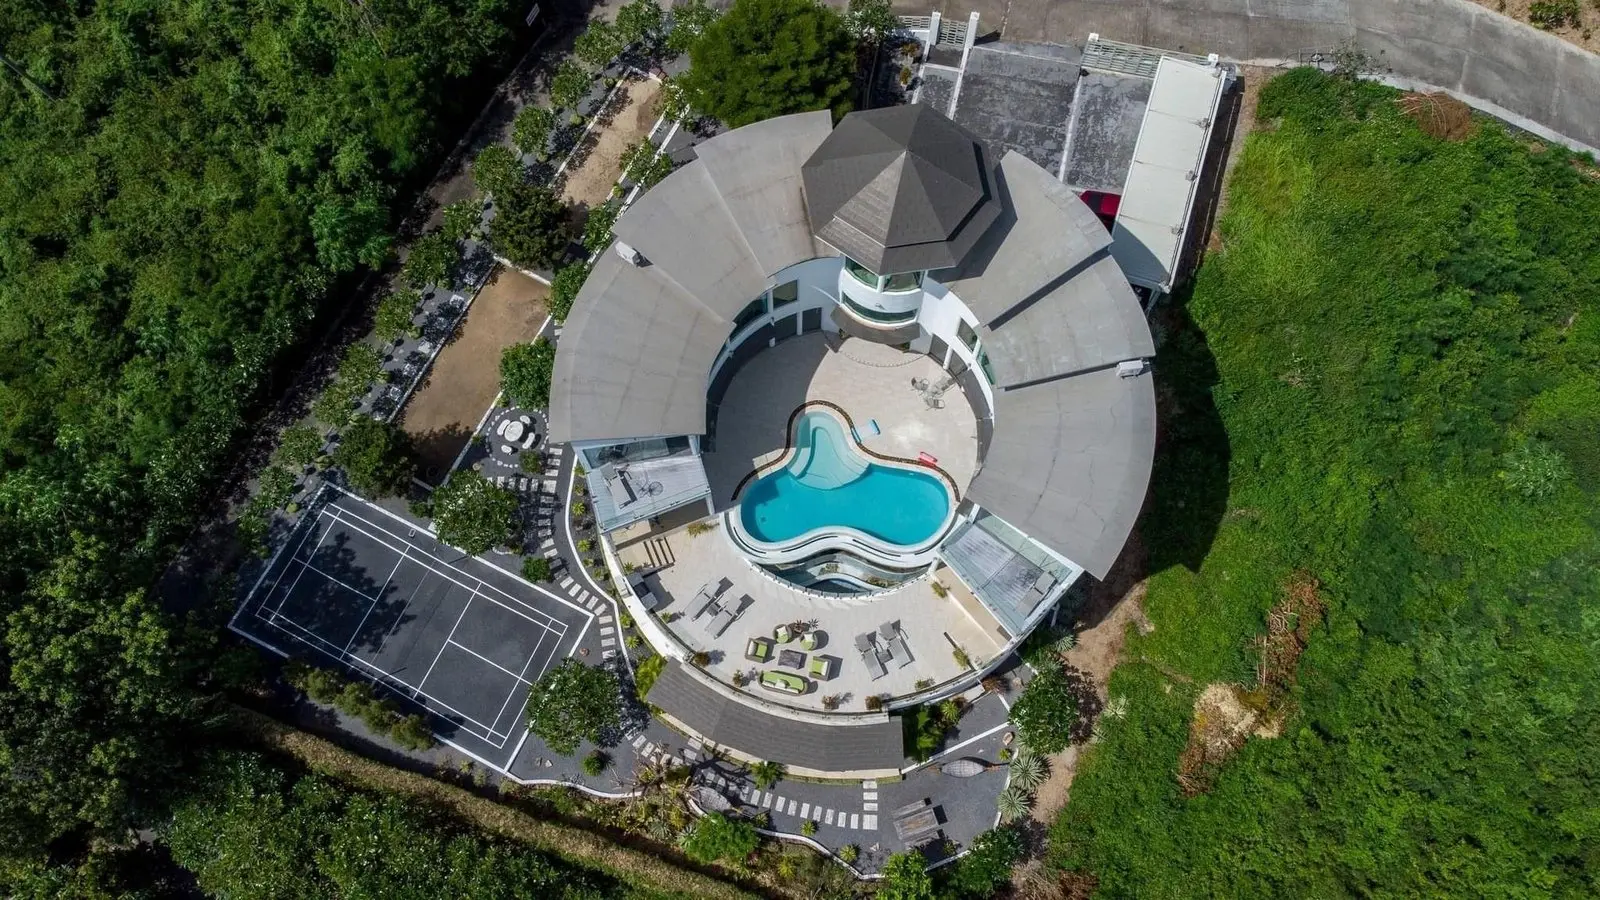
(1388,379)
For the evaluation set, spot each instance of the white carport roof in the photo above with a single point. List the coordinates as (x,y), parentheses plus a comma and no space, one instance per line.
(1157,202)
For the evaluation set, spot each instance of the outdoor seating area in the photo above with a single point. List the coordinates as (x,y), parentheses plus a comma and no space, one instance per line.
(759,650)
(793,634)
(886,645)
(784,682)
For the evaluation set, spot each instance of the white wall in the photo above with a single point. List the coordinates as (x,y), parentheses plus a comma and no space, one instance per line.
(818,288)
(942,312)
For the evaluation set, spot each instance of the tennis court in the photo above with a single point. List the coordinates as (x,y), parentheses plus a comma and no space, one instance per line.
(455,636)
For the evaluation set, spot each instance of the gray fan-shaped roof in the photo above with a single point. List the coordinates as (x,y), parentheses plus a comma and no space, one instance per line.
(900,189)
(1070,463)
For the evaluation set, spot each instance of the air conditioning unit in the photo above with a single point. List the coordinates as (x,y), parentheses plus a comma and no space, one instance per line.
(1133,368)
(628,253)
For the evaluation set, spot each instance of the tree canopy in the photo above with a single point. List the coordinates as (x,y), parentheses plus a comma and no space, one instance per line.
(765,58)
(376,456)
(526,371)
(1390,318)
(573,703)
(251,829)
(472,513)
(530,226)
(184,187)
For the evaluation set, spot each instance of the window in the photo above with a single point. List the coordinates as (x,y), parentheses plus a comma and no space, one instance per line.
(785,293)
(967,335)
(906,281)
(876,315)
(636,451)
(751,312)
(861,273)
(983,363)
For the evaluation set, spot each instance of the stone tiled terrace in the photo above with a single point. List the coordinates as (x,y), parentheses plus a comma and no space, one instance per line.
(933,626)
(872,382)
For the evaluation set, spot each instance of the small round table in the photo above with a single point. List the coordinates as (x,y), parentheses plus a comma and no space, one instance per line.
(514,431)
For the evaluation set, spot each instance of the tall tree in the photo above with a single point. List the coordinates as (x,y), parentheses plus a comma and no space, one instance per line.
(573,703)
(376,456)
(530,227)
(472,513)
(526,371)
(766,58)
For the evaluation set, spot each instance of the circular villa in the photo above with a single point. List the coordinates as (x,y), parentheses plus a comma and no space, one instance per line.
(855,407)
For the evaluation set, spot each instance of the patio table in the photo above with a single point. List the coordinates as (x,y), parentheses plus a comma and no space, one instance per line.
(791,659)
(513,432)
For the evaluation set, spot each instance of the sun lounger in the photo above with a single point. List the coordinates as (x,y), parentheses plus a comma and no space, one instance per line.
(874,663)
(703,600)
(719,623)
(895,640)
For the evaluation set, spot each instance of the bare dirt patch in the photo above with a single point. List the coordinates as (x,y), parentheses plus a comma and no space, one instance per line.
(1585,34)
(1102,628)
(465,377)
(598,161)
(1227,715)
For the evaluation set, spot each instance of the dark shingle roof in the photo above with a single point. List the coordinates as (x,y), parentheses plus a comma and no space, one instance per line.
(826,748)
(900,189)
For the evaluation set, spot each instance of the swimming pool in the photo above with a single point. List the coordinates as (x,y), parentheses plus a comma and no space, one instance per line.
(829,485)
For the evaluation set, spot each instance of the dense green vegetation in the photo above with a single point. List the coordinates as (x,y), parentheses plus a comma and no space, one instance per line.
(473,513)
(259,831)
(1391,379)
(185,187)
(765,58)
(572,703)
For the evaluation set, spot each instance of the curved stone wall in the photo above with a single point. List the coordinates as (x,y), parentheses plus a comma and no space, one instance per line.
(1505,67)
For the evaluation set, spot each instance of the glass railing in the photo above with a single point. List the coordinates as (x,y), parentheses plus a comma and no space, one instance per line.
(877,315)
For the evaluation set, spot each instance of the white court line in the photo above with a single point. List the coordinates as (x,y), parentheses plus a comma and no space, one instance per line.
(311,640)
(514,576)
(250,597)
(304,565)
(441,562)
(552,624)
(464,607)
(460,646)
(531,657)
(375,601)
(514,751)
(311,526)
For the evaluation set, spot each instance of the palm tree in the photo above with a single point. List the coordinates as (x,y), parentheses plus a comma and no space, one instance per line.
(766,774)
(1014,803)
(1028,770)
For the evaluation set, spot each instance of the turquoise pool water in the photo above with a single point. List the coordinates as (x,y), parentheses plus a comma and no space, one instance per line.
(829,484)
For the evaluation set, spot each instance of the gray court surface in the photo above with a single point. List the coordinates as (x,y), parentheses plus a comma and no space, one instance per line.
(447,633)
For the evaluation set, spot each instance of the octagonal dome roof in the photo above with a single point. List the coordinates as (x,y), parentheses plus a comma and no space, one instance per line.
(900,189)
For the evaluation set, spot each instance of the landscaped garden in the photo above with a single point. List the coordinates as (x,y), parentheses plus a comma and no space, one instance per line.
(1372,532)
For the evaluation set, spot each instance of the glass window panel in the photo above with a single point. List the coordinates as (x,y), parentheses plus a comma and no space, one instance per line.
(788,292)
(967,335)
(861,273)
(752,311)
(905,281)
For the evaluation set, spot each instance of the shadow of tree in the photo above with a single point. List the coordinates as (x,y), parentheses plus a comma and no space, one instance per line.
(437,449)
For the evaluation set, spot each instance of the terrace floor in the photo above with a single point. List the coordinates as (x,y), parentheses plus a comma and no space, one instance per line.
(872,382)
(933,626)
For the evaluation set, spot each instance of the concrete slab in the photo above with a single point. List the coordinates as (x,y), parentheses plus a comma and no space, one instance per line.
(1105,128)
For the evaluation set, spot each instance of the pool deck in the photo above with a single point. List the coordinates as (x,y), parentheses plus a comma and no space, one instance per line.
(933,626)
(869,381)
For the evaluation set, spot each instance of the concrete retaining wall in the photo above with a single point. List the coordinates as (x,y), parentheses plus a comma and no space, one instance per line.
(1491,61)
